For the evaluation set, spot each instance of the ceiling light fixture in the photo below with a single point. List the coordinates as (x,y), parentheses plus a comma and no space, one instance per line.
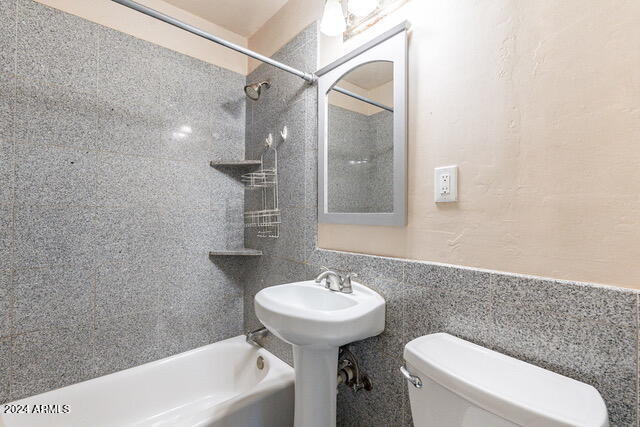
(333,23)
(362,7)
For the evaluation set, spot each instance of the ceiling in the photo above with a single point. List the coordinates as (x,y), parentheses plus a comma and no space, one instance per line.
(371,75)
(243,17)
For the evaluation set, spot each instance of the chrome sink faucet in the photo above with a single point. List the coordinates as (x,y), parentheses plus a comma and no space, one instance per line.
(336,282)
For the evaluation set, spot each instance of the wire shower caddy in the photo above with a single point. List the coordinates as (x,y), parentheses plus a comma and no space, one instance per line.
(266,221)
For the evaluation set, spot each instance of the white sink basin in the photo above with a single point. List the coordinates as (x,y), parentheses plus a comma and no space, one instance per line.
(316,321)
(305,313)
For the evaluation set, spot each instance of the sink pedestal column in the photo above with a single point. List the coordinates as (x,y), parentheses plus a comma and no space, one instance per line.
(316,381)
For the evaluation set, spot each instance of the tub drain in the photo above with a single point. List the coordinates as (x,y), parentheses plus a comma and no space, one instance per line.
(260,362)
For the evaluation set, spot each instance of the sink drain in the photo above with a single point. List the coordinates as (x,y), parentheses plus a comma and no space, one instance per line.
(260,362)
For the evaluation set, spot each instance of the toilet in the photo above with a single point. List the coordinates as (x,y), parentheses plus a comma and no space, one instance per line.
(455,383)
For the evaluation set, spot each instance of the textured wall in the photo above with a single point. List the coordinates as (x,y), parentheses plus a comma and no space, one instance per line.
(283,27)
(538,103)
(107,203)
(585,331)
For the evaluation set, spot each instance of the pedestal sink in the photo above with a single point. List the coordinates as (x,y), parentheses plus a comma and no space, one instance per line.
(316,321)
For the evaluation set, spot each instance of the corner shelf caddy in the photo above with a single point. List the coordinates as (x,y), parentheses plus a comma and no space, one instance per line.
(241,252)
(265,221)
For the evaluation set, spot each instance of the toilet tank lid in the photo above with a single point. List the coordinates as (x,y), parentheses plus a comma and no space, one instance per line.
(515,390)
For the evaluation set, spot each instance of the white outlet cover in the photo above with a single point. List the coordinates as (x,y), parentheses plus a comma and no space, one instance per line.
(445,184)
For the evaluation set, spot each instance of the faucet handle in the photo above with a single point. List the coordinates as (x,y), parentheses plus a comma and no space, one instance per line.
(346,283)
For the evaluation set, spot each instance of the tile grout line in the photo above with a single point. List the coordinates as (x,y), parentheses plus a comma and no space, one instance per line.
(403,339)
(30,143)
(95,272)
(15,29)
(12,298)
(492,291)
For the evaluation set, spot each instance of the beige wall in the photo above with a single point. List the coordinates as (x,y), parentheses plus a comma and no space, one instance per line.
(292,18)
(539,105)
(113,15)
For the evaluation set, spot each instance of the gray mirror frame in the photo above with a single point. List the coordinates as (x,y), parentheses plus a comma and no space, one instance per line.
(389,46)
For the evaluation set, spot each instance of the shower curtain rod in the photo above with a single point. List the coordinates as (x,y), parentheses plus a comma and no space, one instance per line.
(311,78)
(361,98)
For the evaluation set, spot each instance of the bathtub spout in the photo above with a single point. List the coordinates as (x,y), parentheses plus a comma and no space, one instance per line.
(254,336)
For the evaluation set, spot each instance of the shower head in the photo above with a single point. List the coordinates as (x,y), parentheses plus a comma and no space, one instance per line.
(253,90)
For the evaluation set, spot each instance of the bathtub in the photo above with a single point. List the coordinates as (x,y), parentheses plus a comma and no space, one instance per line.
(218,385)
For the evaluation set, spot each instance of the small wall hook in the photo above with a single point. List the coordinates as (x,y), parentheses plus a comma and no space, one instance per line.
(269,141)
(284,133)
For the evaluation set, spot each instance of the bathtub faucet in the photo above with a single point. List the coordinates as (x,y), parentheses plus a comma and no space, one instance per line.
(253,336)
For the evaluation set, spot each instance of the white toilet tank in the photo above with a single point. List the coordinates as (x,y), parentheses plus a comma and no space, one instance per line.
(465,385)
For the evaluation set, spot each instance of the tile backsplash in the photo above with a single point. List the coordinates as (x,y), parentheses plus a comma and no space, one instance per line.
(584,331)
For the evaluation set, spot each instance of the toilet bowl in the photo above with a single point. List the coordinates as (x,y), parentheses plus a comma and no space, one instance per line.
(455,383)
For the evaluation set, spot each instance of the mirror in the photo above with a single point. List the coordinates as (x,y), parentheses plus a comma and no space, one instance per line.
(360,140)
(362,134)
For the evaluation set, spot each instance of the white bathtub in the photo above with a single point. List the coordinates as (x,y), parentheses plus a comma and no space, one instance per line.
(218,385)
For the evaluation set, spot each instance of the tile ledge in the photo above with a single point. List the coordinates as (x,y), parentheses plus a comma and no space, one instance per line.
(235,252)
(238,163)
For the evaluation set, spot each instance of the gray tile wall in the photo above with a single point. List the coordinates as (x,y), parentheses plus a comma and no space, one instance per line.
(292,102)
(107,204)
(350,136)
(585,331)
(360,187)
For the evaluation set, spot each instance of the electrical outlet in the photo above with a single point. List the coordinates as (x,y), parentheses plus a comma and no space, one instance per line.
(445,180)
(446,184)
